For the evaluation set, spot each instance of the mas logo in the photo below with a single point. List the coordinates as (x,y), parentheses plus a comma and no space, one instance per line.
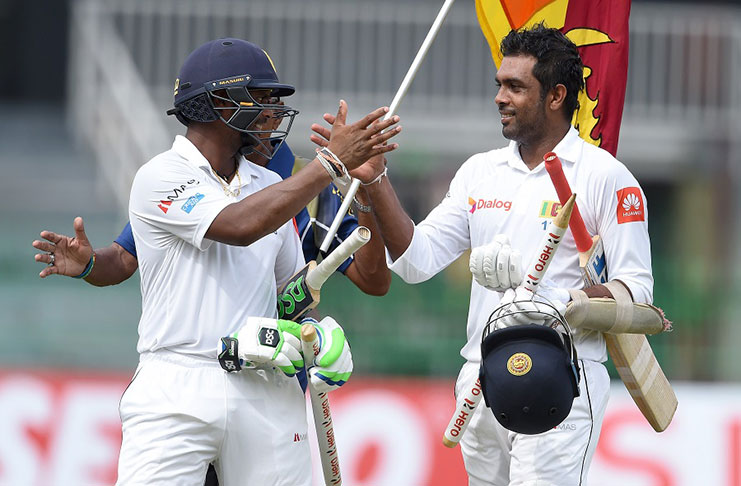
(164,206)
(630,205)
(488,204)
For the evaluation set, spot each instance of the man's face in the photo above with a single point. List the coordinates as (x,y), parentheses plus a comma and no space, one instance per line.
(519,99)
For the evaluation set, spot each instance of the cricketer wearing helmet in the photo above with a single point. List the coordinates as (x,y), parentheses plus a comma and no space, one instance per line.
(202,217)
(494,207)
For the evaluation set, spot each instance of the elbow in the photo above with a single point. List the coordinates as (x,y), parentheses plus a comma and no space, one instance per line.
(379,286)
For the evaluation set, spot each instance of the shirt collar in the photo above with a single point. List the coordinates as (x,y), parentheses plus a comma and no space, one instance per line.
(568,150)
(185,148)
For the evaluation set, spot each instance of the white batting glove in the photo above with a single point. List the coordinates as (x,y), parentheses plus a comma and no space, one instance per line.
(520,306)
(265,341)
(332,367)
(496,266)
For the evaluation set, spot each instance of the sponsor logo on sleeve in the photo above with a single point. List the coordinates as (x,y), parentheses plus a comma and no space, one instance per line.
(164,206)
(191,202)
(175,193)
(488,204)
(630,205)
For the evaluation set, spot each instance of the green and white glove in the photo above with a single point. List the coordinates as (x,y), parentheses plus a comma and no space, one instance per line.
(332,367)
(263,341)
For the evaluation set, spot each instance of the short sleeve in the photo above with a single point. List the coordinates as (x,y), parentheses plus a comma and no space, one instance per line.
(176,199)
(126,240)
(622,223)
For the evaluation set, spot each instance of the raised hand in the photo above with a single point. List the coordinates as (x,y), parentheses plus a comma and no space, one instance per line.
(62,254)
(367,172)
(354,144)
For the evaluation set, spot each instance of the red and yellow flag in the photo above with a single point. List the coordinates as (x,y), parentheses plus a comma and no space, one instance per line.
(599,28)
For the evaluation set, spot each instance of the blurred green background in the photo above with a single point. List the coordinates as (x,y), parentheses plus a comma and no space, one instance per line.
(73,129)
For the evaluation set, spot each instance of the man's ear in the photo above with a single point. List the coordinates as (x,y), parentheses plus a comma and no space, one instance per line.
(557,97)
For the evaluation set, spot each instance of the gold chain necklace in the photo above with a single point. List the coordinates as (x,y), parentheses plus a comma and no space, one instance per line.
(228,190)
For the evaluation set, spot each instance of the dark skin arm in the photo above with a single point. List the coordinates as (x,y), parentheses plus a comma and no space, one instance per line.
(264,212)
(396,226)
(368,271)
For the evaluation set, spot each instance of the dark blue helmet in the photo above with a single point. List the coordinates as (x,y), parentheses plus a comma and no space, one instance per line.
(227,69)
(529,375)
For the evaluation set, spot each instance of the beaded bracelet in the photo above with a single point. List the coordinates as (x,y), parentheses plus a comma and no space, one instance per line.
(360,206)
(88,268)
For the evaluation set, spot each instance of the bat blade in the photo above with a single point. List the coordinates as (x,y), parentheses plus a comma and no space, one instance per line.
(593,264)
(302,291)
(634,360)
(321,412)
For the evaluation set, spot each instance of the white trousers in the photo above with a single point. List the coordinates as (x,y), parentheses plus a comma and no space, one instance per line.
(180,413)
(495,456)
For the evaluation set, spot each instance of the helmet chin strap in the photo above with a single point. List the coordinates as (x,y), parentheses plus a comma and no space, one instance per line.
(249,142)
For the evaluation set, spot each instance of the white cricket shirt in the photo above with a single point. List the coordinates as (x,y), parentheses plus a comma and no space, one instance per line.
(196,290)
(494,192)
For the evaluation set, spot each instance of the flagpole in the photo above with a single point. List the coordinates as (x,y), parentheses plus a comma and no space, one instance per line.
(392,110)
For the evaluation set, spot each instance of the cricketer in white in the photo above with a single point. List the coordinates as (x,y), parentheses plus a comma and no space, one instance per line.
(509,192)
(215,238)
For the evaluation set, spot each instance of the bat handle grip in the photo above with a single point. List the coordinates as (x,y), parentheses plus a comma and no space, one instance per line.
(316,278)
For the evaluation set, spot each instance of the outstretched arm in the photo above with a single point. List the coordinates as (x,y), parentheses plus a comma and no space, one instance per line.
(113,264)
(368,270)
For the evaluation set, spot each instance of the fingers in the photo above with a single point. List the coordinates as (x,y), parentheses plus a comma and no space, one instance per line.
(515,268)
(43,245)
(80,231)
(291,348)
(329,118)
(321,135)
(50,236)
(372,116)
(382,125)
(341,114)
(502,266)
(383,149)
(475,265)
(382,138)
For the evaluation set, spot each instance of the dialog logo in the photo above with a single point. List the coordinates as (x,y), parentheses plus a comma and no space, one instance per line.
(630,205)
(477,204)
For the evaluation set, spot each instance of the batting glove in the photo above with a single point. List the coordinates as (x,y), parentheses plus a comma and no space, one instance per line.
(520,306)
(332,367)
(263,341)
(496,266)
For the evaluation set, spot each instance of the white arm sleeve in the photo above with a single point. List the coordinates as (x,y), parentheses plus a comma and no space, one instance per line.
(290,257)
(438,240)
(174,199)
(621,217)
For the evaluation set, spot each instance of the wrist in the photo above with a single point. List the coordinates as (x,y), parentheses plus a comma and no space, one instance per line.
(88,268)
(378,178)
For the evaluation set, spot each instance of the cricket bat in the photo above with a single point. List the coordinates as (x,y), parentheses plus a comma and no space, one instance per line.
(471,395)
(301,293)
(631,353)
(322,415)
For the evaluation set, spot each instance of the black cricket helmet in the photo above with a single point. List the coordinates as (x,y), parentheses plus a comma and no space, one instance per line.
(529,373)
(227,69)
